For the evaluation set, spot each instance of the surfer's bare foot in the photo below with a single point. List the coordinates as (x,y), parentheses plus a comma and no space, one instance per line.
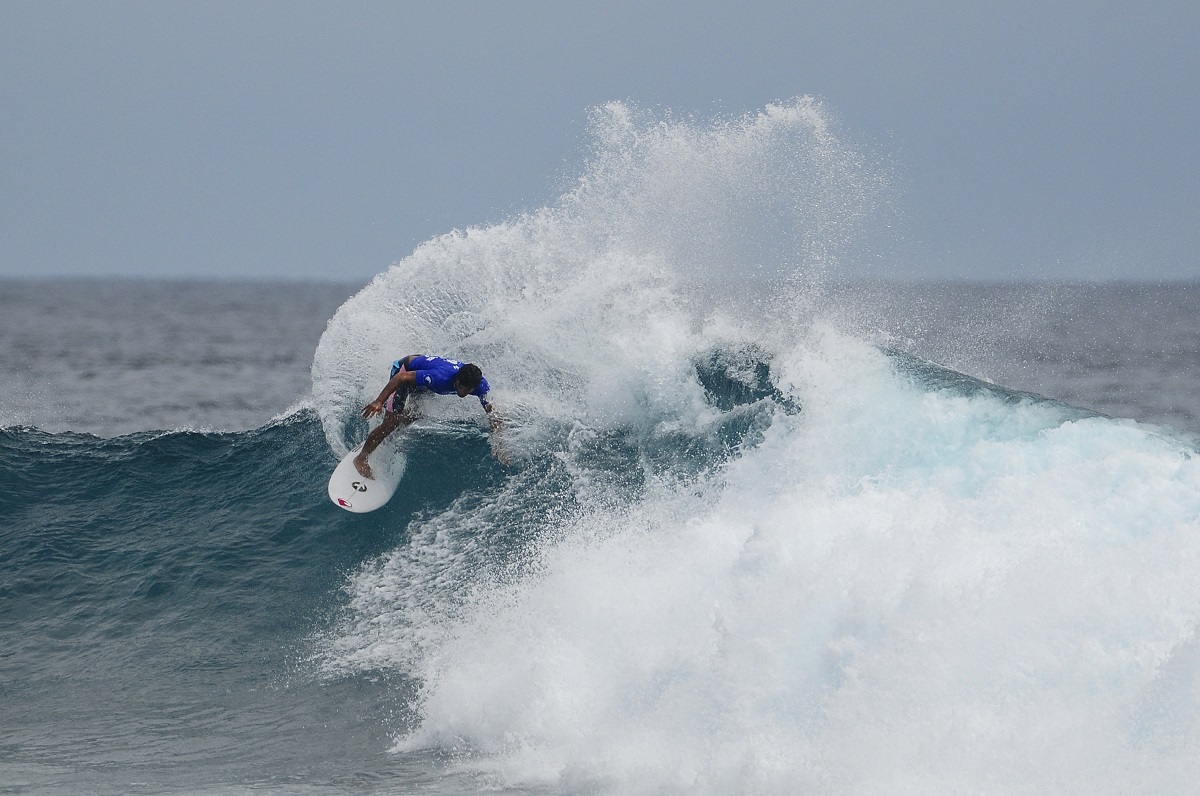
(364,469)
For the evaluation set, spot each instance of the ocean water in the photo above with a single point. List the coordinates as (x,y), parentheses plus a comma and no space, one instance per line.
(118,356)
(765,530)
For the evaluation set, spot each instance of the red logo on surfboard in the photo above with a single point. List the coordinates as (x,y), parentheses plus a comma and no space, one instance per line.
(345,503)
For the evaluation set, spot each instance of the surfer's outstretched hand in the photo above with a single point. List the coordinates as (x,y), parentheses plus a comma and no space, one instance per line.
(372,409)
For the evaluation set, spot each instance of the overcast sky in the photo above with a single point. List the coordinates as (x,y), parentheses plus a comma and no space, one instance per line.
(326,140)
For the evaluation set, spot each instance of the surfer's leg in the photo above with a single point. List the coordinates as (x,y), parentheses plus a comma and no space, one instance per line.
(391,421)
(400,412)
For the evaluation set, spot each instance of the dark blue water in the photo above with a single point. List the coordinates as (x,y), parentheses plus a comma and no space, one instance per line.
(158,590)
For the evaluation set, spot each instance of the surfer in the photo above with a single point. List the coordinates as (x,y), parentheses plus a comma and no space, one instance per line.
(417,373)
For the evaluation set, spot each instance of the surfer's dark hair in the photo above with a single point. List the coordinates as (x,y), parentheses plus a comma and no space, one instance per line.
(469,376)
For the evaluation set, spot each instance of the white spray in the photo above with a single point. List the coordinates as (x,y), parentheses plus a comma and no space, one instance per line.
(906,587)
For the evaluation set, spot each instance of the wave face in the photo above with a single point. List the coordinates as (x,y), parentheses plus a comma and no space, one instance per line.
(743,547)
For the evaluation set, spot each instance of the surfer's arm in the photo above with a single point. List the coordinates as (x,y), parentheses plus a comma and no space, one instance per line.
(376,406)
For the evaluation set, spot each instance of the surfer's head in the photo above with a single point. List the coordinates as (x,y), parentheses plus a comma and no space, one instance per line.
(468,379)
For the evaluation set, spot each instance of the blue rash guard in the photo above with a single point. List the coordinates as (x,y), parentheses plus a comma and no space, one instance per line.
(436,374)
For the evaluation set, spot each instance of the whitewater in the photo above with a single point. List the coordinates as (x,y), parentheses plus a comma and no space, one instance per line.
(750,542)
(885,579)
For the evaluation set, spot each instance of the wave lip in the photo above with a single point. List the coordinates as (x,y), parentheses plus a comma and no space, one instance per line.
(587,309)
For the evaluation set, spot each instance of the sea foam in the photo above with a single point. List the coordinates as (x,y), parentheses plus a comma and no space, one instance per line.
(883,577)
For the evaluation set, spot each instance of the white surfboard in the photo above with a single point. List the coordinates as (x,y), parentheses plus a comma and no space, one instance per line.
(350,490)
